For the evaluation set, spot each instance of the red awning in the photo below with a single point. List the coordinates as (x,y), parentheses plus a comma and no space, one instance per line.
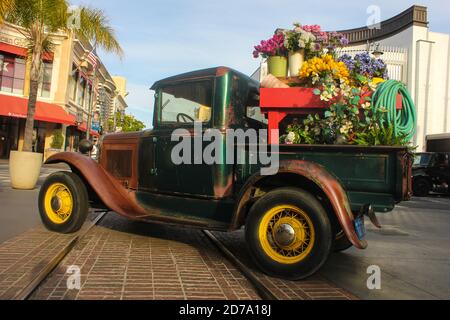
(16,107)
(22,52)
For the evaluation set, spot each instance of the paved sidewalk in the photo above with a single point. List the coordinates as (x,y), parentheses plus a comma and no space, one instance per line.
(19,208)
(313,288)
(22,257)
(122,259)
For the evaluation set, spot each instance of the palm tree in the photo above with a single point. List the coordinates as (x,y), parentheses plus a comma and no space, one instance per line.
(5,6)
(37,20)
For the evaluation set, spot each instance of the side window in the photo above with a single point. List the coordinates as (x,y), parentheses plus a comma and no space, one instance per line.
(186,103)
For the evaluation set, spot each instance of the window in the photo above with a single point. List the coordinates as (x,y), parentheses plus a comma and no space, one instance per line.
(422,159)
(12,74)
(186,103)
(45,83)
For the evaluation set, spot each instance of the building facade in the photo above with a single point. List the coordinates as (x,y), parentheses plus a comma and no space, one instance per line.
(69,90)
(416,56)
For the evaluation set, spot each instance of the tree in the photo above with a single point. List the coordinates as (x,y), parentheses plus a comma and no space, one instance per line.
(36,20)
(129,123)
(5,6)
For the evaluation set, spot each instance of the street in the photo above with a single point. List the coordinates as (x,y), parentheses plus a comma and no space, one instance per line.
(122,259)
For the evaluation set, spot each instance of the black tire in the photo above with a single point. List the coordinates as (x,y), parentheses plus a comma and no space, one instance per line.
(341,242)
(317,251)
(79,202)
(421,187)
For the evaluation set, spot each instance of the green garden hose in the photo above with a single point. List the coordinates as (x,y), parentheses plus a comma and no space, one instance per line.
(403,121)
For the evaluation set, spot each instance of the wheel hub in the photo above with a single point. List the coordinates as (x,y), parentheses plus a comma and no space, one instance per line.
(284,235)
(56,203)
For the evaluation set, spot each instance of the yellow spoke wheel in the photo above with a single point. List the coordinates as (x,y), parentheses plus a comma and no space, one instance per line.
(58,203)
(286,234)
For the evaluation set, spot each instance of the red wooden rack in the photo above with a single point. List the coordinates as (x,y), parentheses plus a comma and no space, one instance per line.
(277,103)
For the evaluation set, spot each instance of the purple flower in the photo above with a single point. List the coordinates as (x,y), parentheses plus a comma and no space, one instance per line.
(344,41)
(348,61)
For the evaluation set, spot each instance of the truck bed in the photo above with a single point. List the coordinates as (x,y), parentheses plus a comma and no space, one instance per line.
(379,175)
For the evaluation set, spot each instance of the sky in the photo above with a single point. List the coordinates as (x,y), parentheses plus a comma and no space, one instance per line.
(162,38)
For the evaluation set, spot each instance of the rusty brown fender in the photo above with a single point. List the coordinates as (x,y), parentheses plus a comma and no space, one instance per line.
(324,180)
(116,197)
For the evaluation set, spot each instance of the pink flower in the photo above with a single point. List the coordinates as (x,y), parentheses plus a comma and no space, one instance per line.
(312,28)
(271,47)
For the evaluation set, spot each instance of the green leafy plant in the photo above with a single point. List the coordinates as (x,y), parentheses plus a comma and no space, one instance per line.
(57,140)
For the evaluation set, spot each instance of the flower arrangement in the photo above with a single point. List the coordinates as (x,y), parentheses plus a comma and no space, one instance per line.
(342,123)
(309,37)
(298,38)
(364,68)
(346,83)
(325,70)
(326,41)
(271,47)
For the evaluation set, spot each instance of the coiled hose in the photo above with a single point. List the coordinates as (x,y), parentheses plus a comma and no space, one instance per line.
(403,121)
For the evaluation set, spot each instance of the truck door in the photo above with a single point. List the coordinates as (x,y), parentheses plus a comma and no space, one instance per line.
(177,106)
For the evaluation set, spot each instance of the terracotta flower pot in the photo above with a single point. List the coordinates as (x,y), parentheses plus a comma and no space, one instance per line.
(296,60)
(24,169)
(278,66)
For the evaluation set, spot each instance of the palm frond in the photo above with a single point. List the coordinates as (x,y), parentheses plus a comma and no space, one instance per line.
(6,6)
(51,14)
(96,28)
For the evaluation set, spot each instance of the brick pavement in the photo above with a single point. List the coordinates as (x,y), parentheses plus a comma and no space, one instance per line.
(313,288)
(145,261)
(25,255)
(122,259)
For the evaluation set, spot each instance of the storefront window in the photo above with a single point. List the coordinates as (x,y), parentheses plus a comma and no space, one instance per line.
(12,74)
(45,84)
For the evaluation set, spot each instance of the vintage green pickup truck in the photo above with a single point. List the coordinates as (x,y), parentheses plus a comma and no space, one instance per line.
(313,204)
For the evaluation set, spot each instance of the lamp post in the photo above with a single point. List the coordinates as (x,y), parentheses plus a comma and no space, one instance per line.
(377,53)
(91,105)
(116,95)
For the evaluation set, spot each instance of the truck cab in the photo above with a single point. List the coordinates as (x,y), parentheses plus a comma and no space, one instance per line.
(185,171)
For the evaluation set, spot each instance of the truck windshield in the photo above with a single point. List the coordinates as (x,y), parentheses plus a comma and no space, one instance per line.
(186,102)
(422,159)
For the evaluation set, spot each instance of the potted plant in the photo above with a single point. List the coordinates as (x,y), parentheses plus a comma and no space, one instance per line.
(36,21)
(56,144)
(273,49)
(297,41)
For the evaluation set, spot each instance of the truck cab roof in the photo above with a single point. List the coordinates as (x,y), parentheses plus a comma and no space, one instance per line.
(204,73)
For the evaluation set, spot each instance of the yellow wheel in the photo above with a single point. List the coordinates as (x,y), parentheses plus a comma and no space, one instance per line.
(63,202)
(288,233)
(58,203)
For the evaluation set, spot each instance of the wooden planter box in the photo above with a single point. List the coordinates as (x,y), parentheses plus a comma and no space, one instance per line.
(277,103)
